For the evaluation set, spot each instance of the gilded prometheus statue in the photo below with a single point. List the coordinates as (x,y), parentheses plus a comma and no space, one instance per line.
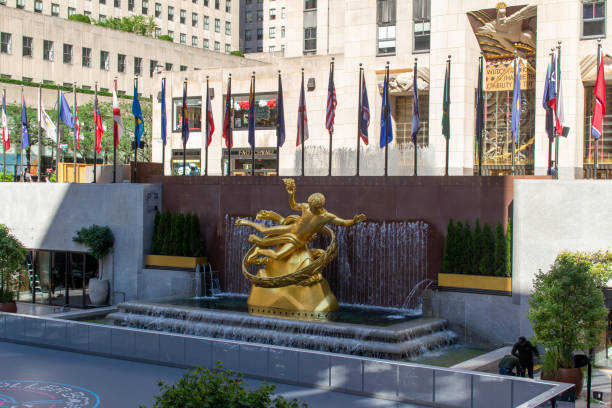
(291,283)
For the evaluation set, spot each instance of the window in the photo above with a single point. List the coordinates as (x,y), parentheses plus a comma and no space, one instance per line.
(183,38)
(104,60)
(157,32)
(217,46)
(71,11)
(170,13)
(145,7)
(206,25)
(6,43)
(27,49)
(152,67)
(194,1)
(194,113)
(194,41)
(206,3)
(158,9)
(205,43)
(48,50)
(217,4)
(130,5)
(183,68)
(217,25)
(248,35)
(249,1)
(38,5)
(86,57)
(102,1)
(102,18)
(120,62)
(194,19)
(283,13)
(228,28)
(310,4)
(402,113)
(271,48)
(272,14)
(385,21)
(260,33)
(168,66)
(593,18)
(87,13)
(310,39)
(259,15)
(20,4)
(67,53)
(283,32)
(227,48)
(272,32)
(422,24)
(265,111)
(171,34)
(117,3)
(228,6)
(249,16)
(310,27)
(137,66)
(55,10)
(259,48)
(183,16)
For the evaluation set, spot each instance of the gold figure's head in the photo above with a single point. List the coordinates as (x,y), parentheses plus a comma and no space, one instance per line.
(501,9)
(316,202)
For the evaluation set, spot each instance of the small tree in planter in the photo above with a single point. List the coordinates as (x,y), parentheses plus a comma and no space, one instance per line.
(100,241)
(12,266)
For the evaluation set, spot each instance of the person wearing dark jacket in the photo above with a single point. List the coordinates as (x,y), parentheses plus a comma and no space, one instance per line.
(508,364)
(524,350)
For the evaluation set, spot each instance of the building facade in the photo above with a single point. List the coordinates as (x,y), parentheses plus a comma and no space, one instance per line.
(376,31)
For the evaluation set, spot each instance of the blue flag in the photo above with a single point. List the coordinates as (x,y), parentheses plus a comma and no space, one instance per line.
(280,114)
(25,140)
(185,117)
(516,102)
(137,112)
(386,132)
(416,121)
(364,112)
(479,105)
(163,113)
(546,106)
(65,113)
(252,116)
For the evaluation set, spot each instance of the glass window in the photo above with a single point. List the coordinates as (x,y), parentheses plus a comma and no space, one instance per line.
(183,16)
(55,10)
(248,35)
(158,9)
(170,13)
(168,66)
(157,32)
(194,113)
(310,31)
(102,17)
(604,148)
(272,14)
(145,7)
(194,41)
(217,46)
(283,32)
(217,4)
(117,3)
(310,4)
(120,62)
(249,16)
(171,34)
(152,67)
(38,6)
(271,48)
(130,5)
(183,68)
(206,23)
(192,162)
(102,1)
(194,19)
(228,6)
(593,18)
(137,66)
(86,57)
(265,111)
(205,43)
(260,33)
(20,4)
(402,113)
(259,48)
(217,25)
(259,15)
(385,19)
(227,48)
(422,24)
(6,43)
(228,28)
(272,32)
(48,50)
(183,38)
(27,47)
(67,53)
(104,60)
(283,12)
(206,3)
(71,11)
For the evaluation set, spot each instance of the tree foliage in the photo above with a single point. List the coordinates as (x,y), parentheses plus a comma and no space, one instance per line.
(448,256)
(486,265)
(156,244)
(136,24)
(81,18)
(12,264)
(499,258)
(165,37)
(177,234)
(98,239)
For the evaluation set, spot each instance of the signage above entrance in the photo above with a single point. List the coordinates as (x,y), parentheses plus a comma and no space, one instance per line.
(500,75)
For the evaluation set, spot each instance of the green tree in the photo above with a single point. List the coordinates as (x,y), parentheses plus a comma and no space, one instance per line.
(132,24)
(448,257)
(500,251)
(165,37)
(81,18)
(466,248)
(197,242)
(12,264)
(509,248)
(488,257)
(155,243)
(178,225)
(166,233)
(476,250)
(186,241)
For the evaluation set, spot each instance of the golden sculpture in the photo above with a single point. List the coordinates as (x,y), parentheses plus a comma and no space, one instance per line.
(291,284)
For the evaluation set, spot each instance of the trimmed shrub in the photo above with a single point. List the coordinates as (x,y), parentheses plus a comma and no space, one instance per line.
(81,18)
(165,233)
(499,261)
(197,242)
(165,37)
(487,259)
(448,257)
(186,241)
(477,245)
(509,248)
(156,244)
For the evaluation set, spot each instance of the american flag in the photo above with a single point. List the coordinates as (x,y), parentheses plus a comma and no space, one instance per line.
(330,114)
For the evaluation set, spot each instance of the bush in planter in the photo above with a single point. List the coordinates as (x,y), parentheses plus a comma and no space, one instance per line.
(98,239)
(485,267)
(566,310)
(476,249)
(499,257)
(195,238)
(164,234)
(12,265)
(204,388)
(156,243)
(448,257)
(186,242)
(509,248)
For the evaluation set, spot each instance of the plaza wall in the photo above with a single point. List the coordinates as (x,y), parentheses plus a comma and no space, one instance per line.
(46,216)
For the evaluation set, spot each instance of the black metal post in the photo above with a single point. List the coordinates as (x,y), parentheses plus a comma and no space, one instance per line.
(207,129)
(278,98)
(75,131)
(551,124)
(386,118)
(59,136)
(229,136)
(66,281)
(415,139)
(517,136)
(253,107)
(302,123)
(40,168)
(329,169)
(21,150)
(481,113)
(135,141)
(359,114)
(448,67)
(558,102)
(595,159)
(164,130)
(114,144)
(182,130)
(96,132)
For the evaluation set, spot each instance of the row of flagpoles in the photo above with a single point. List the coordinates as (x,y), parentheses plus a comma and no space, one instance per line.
(65,116)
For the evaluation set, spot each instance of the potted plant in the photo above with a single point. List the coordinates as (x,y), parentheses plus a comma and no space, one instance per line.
(567,312)
(100,241)
(12,266)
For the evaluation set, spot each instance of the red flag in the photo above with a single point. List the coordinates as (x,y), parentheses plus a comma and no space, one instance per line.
(99,128)
(211,122)
(77,129)
(227,121)
(600,102)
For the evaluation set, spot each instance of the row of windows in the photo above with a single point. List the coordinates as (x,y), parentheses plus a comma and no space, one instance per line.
(248,34)
(182,14)
(272,15)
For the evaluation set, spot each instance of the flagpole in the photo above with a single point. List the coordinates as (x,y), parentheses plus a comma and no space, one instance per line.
(480,112)
(95,132)
(59,137)
(513,143)
(552,125)
(329,171)
(115,125)
(207,129)
(595,164)
(39,135)
(386,119)
(415,142)
(558,84)
(75,134)
(182,125)
(448,67)
(302,122)
(4,144)
(278,97)
(253,146)
(229,136)
(165,129)
(21,170)
(135,139)
(359,114)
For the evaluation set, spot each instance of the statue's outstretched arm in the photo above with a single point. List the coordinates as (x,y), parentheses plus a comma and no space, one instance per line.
(347,223)
(290,187)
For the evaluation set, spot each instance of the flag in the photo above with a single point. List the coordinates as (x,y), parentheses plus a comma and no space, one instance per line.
(252,116)
(77,132)
(446,105)
(209,118)
(98,125)
(185,117)
(479,105)
(600,102)
(302,132)
(386,131)
(330,112)
(516,102)
(45,121)
(227,119)
(65,113)
(549,113)
(364,112)
(137,112)
(280,115)
(562,129)
(117,122)
(6,141)
(25,140)
(164,122)
(416,121)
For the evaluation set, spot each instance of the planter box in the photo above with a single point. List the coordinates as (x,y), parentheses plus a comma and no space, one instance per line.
(478,282)
(181,262)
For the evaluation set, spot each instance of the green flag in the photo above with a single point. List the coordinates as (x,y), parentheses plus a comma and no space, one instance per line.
(446,104)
